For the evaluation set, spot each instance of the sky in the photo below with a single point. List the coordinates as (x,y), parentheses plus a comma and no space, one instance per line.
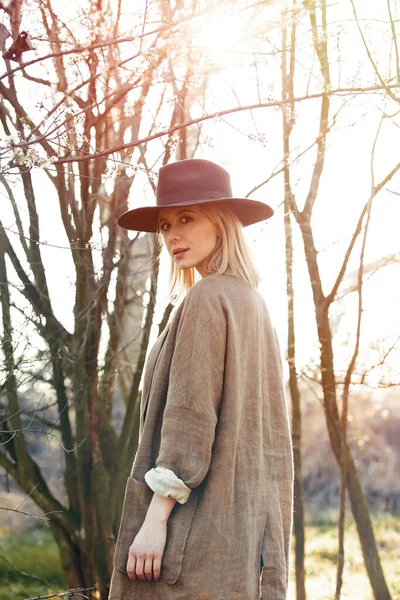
(345,185)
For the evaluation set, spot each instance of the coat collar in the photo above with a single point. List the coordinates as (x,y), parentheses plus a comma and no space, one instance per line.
(151,363)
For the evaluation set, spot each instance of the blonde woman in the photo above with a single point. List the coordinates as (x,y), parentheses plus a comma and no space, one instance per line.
(208,507)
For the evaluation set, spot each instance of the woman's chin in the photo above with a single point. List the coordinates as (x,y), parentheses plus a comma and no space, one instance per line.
(183,264)
(187,264)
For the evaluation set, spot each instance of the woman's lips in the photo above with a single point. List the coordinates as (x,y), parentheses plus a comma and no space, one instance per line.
(180,254)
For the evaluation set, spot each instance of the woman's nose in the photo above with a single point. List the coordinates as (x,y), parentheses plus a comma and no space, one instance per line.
(173,234)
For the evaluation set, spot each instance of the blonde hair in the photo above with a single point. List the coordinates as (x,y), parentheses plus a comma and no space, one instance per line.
(231,255)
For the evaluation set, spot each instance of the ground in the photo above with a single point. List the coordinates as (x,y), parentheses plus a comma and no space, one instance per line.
(31,550)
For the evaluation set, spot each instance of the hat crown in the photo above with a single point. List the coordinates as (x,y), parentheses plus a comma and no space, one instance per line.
(192,179)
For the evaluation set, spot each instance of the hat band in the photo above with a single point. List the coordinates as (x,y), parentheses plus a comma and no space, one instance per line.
(183,196)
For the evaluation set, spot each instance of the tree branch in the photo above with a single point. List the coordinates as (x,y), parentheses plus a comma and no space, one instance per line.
(31,293)
(232,110)
(371,60)
(375,190)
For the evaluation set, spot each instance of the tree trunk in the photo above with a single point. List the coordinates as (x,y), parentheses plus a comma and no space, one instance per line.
(358,503)
(70,557)
(287,70)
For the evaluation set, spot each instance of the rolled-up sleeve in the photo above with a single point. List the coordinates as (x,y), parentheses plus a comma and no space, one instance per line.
(195,387)
(165,483)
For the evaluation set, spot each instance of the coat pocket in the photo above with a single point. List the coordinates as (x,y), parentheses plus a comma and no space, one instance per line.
(137,499)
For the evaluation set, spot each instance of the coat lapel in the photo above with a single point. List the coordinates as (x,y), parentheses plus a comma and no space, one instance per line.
(149,372)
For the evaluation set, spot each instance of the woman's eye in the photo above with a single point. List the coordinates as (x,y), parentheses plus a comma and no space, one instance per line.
(165,226)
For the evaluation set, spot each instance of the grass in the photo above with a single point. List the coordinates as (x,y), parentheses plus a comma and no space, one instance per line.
(35,552)
(321,557)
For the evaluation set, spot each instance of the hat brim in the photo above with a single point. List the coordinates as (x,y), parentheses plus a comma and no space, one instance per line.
(146,218)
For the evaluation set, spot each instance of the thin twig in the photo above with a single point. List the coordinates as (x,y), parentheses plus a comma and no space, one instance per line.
(232,110)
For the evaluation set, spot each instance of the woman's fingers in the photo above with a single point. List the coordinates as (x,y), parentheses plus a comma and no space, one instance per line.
(131,565)
(139,569)
(156,567)
(148,568)
(145,568)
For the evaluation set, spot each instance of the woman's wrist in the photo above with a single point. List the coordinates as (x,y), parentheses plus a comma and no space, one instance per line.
(159,509)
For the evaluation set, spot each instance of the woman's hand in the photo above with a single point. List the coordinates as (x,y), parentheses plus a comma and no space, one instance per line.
(146,551)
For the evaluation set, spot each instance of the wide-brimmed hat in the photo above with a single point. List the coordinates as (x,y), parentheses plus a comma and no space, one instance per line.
(189,182)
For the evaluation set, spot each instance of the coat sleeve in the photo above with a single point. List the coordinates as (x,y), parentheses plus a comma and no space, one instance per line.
(195,387)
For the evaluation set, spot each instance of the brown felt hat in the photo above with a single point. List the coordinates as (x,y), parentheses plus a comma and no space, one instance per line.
(189,182)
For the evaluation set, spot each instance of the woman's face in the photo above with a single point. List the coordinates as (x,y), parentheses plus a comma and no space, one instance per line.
(189,235)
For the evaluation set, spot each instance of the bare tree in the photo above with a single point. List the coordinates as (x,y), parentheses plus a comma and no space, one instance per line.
(287,68)
(322,302)
(107,90)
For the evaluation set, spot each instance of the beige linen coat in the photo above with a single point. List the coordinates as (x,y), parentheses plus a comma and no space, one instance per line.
(213,411)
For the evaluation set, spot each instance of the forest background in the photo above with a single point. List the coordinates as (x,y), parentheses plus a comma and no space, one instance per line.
(300,102)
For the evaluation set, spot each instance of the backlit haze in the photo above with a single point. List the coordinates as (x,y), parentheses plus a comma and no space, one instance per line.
(249,146)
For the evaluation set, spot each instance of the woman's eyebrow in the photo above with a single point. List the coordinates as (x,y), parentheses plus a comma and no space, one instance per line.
(178,213)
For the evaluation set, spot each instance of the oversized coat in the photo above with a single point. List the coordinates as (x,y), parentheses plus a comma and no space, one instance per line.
(213,411)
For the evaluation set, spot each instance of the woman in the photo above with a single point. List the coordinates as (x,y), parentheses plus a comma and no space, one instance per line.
(208,506)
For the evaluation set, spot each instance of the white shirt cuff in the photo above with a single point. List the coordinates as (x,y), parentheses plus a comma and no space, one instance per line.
(164,482)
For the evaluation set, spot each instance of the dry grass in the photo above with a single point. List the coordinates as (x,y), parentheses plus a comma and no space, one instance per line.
(321,557)
(35,552)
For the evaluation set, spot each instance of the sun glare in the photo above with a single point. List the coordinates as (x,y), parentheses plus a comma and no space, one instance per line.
(219,33)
